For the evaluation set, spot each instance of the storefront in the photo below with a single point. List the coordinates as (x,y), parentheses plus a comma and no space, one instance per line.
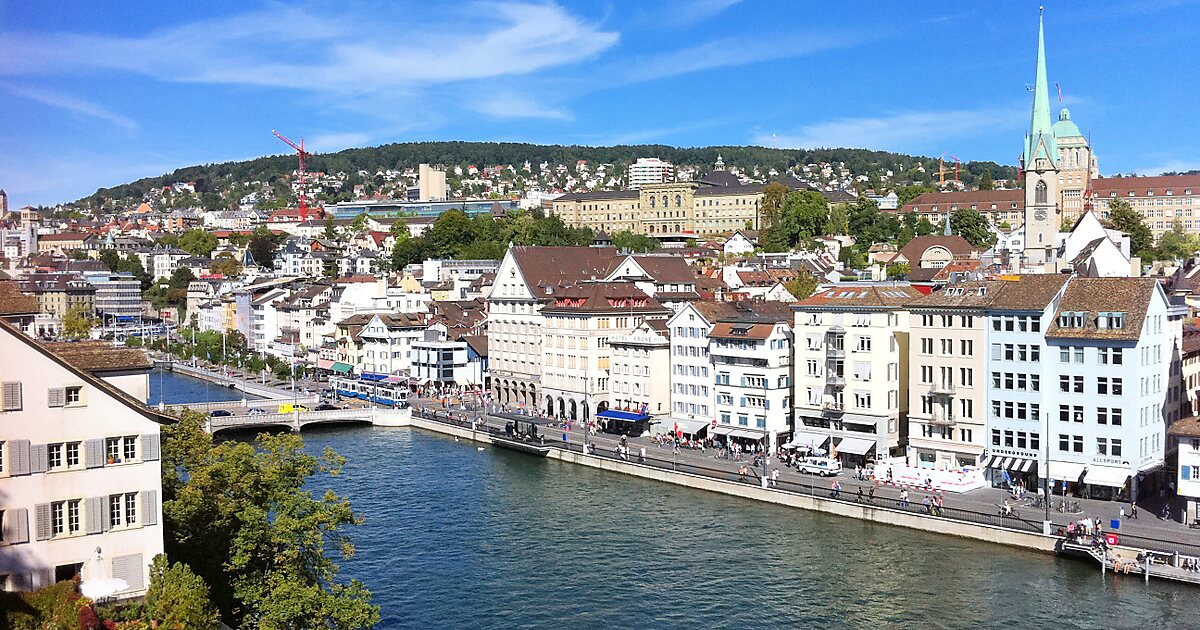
(748,439)
(1008,472)
(854,451)
(1065,477)
(808,443)
(1106,482)
(628,423)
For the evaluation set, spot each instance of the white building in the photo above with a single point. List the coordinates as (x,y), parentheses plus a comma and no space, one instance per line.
(692,398)
(650,171)
(441,361)
(641,362)
(80,482)
(851,371)
(751,356)
(387,343)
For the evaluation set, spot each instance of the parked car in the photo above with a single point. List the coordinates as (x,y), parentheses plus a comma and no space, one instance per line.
(289,408)
(256,411)
(823,466)
(327,407)
(219,413)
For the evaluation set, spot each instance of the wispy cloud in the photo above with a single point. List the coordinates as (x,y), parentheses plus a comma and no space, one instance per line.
(505,104)
(76,106)
(898,132)
(1170,166)
(344,52)
(336,141)
(693,11)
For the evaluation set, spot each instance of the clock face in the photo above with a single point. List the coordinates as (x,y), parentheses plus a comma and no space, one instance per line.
(1040,215)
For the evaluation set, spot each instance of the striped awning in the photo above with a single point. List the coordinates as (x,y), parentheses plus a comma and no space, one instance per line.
(999,462)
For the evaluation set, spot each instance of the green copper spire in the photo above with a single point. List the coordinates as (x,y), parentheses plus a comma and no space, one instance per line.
(1040,141)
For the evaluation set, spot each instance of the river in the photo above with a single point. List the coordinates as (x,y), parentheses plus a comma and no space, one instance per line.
(174,388)
(455,537)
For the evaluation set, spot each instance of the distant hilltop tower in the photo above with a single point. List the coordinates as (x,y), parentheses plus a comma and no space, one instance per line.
(3,203)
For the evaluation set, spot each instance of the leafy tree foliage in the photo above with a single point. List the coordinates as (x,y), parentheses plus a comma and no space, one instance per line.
(805,214)
(77,323)
(178,598)
(240,516)
(1177,243)
(771,207)
(908,193)
(198,242)
(455,235)
(262,247)
(985,181)
(898,270)
(802,287)
(226,265)
(1122,216)
(639,243)
(973,226)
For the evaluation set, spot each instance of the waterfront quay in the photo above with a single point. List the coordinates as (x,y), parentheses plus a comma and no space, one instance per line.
(974,515)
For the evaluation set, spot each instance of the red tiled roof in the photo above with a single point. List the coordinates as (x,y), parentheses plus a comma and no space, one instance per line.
(982,199)
(1146,186)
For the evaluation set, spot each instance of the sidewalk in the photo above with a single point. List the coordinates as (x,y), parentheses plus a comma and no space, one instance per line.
(983,500)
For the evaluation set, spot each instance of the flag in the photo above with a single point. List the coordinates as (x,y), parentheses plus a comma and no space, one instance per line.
(1059,88)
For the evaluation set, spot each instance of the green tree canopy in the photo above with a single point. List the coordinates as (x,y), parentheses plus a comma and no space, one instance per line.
(241,516)
(805,214)
(178,598)
(1177,243)
(985,181)
(1122,216)
(198,242)
(973,226)
(801,287)
(77,323)
(771,207)
(262,247)
(639,243)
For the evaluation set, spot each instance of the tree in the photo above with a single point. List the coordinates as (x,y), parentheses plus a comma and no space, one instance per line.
(1177,244)
(973,226)
(226,265)
(178,598)
(802,286)
(331,232)
(110,258)
(359,224)
(262,247)
(771,206)
(805,213)
(181,278)
(985,181)
(1122,216)
(852,258)
(638,243)
(898,270)
(241,517)
(908,193)
(198,242)
(838,221)
(77,323)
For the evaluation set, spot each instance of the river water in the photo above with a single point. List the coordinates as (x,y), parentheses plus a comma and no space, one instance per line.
(460,538)
(175,389)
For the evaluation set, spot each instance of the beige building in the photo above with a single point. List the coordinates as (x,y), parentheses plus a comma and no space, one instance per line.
(579,324)
(947,385)
(851,372)
(641,360)
(80,480)
(57,293)
(1160,200)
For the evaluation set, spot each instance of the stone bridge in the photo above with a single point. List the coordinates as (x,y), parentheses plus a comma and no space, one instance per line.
(297,420)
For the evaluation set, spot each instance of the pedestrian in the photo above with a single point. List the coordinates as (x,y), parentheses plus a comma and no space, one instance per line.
(1166,513)
(860,495)
(928,505)
(642,455)
(1122,513)
(1133,511)
(903,502)
(775,478)
(837,488)
(871,495)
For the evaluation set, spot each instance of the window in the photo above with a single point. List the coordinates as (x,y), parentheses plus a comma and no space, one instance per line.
(1115,447)
(1008,438)
(967,348)
(967,377)
(1064,442)
(1035,441)
(72,449)
(1111,356)
(864,344)
(1110,385)
(1101,446)
(130,448)
(74,395)
(995,437)
(73,516)
(58,518)
(115,516)
(54,453)
(130,508)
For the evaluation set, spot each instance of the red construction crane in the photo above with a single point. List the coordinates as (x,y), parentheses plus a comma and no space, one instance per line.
(942,168)
(302,155)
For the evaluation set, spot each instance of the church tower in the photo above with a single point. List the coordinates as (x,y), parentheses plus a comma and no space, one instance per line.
(1040,164)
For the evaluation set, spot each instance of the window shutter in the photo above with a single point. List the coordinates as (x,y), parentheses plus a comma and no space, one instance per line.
(94,453)
(95,514)
(43,577)
(18,452)
(149,507)
(11,396)
(16,526)
(130,569)
(150,447)
(42,512)
(22,582)
(56,397)
(39,458)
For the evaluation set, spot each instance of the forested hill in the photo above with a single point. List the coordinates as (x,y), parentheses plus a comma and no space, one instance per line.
(874,164)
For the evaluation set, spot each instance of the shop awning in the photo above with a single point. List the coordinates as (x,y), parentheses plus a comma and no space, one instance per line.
(855,446)
(689,427)
(722,429)
(627,416)
(747,433)
(1064,471)
(1106,476)
(341,368)
(1000,462)
(806,439)
(324,364)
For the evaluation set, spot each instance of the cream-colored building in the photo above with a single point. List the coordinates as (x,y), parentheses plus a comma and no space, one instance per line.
(947,385)
(851,372)
(525,282)
(580,321)
(80,480)
(1160,200)
(641,362)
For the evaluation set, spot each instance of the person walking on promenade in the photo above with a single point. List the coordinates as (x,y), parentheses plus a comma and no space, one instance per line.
(642,455)
(928,505)
(860,496)
(1133,511)
(775,478)
(903,502)
(1121,514)
(871,495)
(837,488)
(1166,513)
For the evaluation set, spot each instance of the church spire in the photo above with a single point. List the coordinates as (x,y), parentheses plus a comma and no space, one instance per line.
(1040,142)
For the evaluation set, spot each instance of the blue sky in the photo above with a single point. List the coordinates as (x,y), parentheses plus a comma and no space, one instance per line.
(96,93)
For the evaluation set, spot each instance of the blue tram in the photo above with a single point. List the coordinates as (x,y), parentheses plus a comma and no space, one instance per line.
(391,391)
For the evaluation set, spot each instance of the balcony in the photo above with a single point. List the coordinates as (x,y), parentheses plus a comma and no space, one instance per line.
(835,353)
(832,409)
(835,380)
(943,420)
(942,389)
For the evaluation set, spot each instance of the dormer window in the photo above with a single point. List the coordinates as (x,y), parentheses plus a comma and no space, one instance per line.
(1071,319)
(1115,321)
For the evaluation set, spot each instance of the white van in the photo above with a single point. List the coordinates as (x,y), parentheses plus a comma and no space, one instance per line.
(823,466)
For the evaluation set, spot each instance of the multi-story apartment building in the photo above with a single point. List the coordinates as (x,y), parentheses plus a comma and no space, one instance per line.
(692,398)
(58,292)
(947,387)
(578,325)
(117,294)
(851,371)
(1020,374)
(79,476)
(387,343)
(524,283)
(650,171)
(1160,200)
(750,351)
(1113,341)
(641,360)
